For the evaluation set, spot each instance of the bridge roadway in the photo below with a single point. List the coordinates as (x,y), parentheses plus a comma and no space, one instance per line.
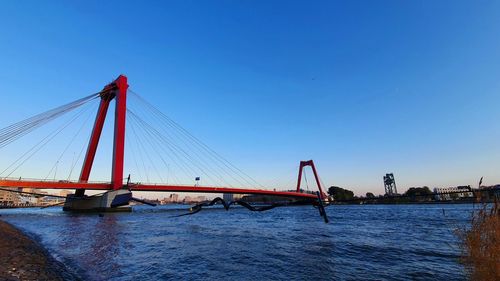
(39,184)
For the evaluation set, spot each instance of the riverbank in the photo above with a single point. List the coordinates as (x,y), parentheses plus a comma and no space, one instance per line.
(21,258)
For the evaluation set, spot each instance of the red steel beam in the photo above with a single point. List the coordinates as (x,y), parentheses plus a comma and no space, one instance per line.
(119,141)
(317,180)
(209,189)
(316,177)
(107,94)
(115,90)
(54,184)
(299,180)
(94,142)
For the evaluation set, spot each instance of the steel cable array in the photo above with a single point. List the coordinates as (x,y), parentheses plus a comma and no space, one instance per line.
(187,153)
(21,128)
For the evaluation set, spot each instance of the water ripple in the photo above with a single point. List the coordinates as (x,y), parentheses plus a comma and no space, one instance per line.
(377,242)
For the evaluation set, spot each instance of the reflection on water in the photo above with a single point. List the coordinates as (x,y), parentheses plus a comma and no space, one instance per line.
(361,243)
(104,245)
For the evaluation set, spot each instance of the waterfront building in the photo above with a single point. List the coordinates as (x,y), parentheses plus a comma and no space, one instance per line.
(49,200)
(197,199)
(174,198)
(228,197)
(64,193)
(200,198)
(238,196)
(450,193)
(29,199)
(10,198)
(232,197)
(40,200)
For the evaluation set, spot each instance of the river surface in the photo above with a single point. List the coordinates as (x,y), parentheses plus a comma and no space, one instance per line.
(361,242)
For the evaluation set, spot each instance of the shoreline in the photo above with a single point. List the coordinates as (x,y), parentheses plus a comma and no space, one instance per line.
(22,258)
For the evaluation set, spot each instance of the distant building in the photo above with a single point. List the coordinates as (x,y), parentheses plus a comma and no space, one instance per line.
(49,200)
(64,193)
(10,198)
(450,193)
(174,198)
(239,196)
(232,197)
(28,199)
(197,199)
(41,200)
(200,198)
(228,197)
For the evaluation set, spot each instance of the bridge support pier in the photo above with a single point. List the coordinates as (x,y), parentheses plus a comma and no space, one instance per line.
(110,201)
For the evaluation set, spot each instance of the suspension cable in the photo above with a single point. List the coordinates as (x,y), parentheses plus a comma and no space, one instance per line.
(21,128)
(202,167)
(198,144)
(69,144)
(33,150)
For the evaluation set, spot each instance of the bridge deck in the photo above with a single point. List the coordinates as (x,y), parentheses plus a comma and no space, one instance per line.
(148,187)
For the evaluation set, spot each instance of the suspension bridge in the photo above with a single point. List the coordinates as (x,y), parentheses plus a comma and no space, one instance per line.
(117,192)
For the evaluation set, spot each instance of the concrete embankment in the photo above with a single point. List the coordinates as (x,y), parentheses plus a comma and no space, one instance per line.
(23,259)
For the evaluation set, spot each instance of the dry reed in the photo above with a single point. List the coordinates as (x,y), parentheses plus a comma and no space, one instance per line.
(480,244)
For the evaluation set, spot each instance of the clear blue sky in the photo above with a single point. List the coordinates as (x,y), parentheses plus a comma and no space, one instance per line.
(361,87)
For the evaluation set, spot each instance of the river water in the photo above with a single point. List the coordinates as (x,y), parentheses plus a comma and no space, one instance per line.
(361,242)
